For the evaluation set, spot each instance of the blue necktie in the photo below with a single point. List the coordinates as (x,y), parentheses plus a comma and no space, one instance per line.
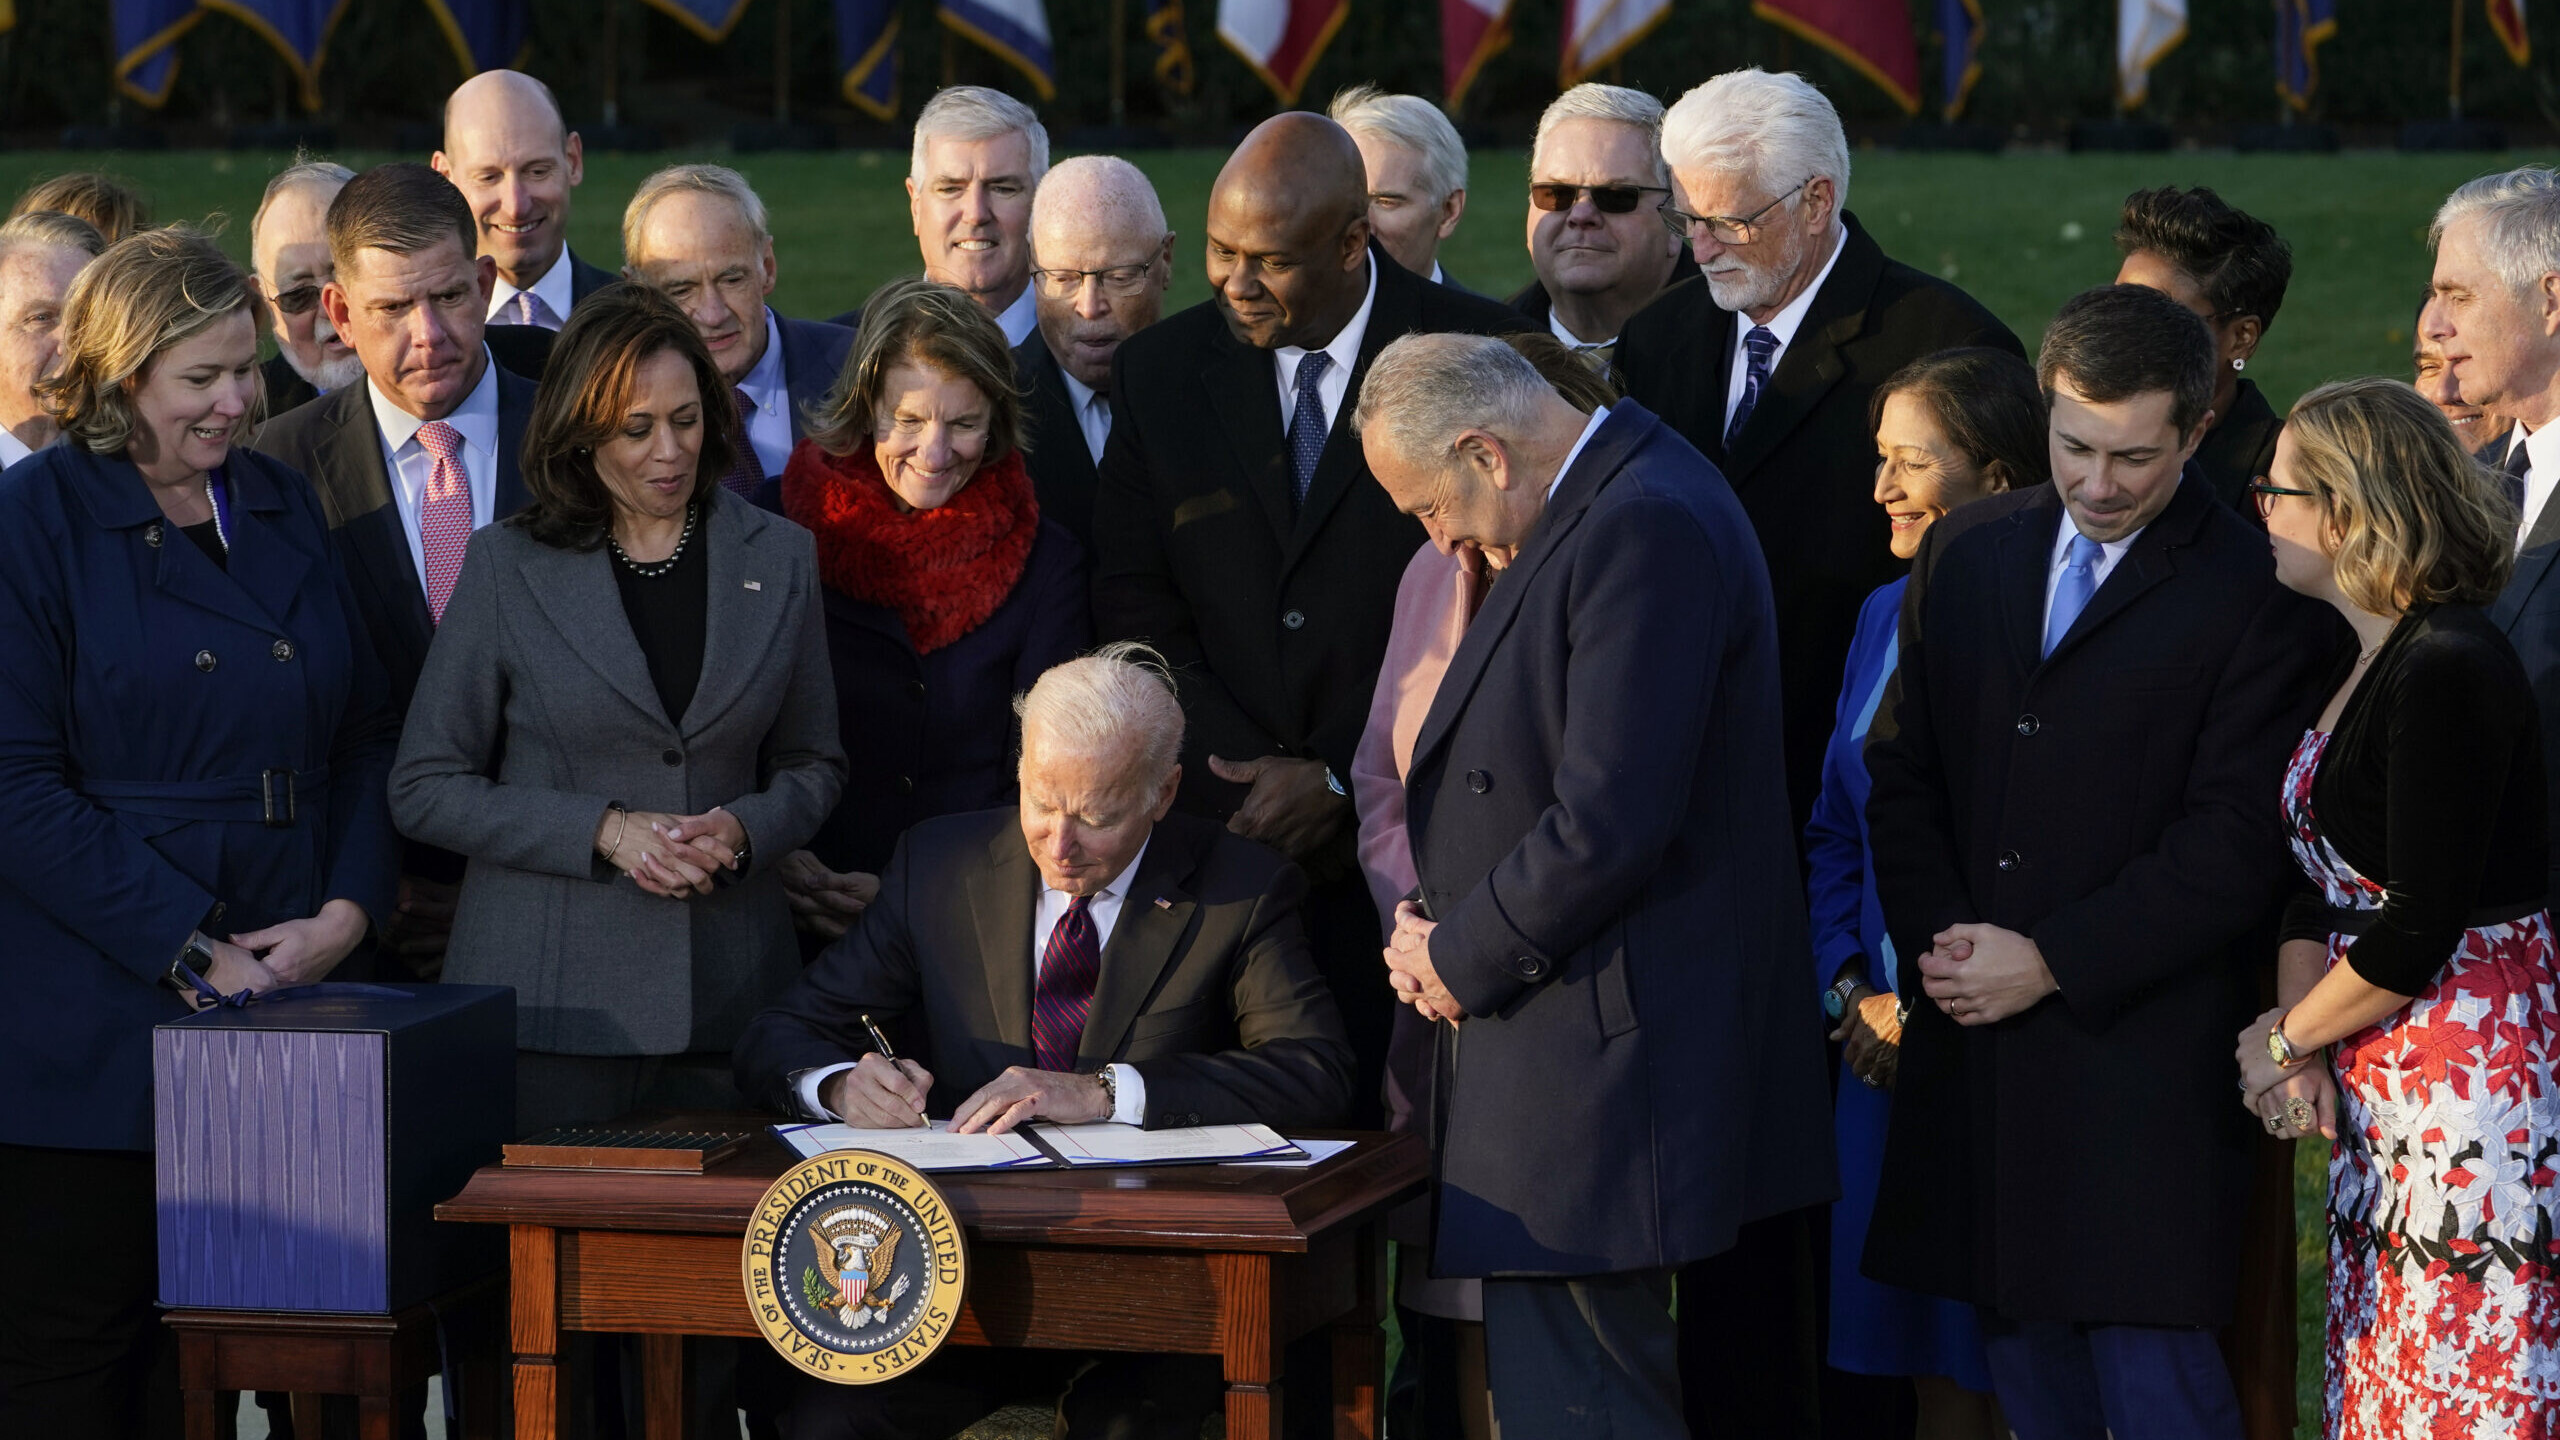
(1759,347)
(2512,472)
(2071,595)
(1306,423)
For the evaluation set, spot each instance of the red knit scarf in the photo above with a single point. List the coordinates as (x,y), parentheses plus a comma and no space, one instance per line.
(944,570)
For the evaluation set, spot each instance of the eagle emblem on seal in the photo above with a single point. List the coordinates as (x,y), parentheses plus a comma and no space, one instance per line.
(854,1247)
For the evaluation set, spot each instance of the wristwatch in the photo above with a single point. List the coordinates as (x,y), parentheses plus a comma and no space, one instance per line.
(1333,784)
(1110,1092)
(1835,1001)
(2280,1049)
(195,959)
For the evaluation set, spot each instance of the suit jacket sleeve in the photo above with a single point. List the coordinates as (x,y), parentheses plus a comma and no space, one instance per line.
(2220,866)
(1137,597)
(444,786)
(1292,1064)
(364,851)
(1646,626)
(869,970)
(1911,837)
(802,758)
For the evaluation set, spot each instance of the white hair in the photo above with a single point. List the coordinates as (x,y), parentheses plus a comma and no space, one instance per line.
(1117,701)
(717,180)
(1102,191)
(300,172)
(1616,104)
(2519,215)
(974,112)
(1412,122)
(1424,390)
(1777,128)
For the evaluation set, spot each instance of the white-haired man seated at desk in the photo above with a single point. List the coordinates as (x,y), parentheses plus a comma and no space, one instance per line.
(1093,957)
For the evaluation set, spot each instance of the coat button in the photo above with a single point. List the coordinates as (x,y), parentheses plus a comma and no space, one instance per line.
(916,688)
(2008,860)
(2028,725)
(1294,619)
(1478,781)
(205,661)
(151,535)
(282,650)
(1532,968)
(906,784)
(673,757)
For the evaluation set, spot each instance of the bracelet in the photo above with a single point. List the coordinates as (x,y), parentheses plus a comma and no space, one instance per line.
(622,822)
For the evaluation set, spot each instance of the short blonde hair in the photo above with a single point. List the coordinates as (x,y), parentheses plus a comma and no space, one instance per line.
(148,292)
(2415,518)
(934,325)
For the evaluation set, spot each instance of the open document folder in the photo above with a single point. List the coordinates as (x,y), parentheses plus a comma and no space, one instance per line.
(1038,1147)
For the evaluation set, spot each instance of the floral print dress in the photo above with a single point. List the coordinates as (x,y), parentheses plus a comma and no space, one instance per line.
(2444,1310)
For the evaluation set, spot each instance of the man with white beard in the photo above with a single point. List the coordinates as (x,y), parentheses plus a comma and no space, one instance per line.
(289,259)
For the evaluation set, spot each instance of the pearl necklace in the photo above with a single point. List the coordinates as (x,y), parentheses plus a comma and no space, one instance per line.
(653,571)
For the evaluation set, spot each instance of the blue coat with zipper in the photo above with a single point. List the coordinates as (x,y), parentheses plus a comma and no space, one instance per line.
(155,710)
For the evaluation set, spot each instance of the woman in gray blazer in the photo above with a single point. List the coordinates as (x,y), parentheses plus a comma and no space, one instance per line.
(626,722)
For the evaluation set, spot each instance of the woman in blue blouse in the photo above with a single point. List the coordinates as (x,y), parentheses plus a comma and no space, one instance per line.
(194,749)
(1952,427)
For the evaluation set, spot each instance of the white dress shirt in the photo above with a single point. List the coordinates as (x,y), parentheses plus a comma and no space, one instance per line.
(1784,325)
(1556,328)
(1335,383)
(553,289)
(2109,552)
(1128,1088)
(1093,413)
(410,464)
(1020,318)
(12,449)
(769,391)
(1590,428)
(2542,472)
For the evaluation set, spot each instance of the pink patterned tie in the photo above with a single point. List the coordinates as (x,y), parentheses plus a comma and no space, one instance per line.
(531,311)
(1062,998)
(444,513)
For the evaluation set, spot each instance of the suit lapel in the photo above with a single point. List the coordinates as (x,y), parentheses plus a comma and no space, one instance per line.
(576,592)
(515,407)
(1247,403)
(1396,310)
(270,572)
(1812,362)
(2025,561)
(1001,897)
(2144,566)
(740,624)
(359,485)
(2531,567)
(1055,423)
(1154,916)
(2546,527)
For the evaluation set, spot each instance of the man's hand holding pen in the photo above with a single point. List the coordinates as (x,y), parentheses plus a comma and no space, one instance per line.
(1409,967)
(881,1091)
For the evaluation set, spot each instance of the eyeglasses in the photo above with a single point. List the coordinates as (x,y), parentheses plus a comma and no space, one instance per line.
(1121,281)
(1607,199)
(2267,494)
(1725,229)
(297,299)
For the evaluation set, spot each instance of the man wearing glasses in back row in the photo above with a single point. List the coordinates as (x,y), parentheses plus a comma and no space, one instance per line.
(1597,185)
(1767,363)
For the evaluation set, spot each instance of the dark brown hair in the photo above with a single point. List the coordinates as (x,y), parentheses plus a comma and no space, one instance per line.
(1582,387)
(2118,341)
(934,325)
(603,346)
(107,201)
(1986,403)
(403,207)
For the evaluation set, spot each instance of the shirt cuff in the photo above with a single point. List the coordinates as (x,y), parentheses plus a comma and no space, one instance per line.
(1129,1092)
(812,1084)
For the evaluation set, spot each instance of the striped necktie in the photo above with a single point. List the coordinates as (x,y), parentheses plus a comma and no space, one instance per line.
(1062,996)
(1759,347)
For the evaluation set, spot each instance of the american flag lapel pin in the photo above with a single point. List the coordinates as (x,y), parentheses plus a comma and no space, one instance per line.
(1163,904)
(755,585)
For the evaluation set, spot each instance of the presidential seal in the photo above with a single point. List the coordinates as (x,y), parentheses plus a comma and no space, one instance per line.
(854,1267)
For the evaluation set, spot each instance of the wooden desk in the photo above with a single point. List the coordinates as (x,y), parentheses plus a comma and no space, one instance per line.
(1204,1259)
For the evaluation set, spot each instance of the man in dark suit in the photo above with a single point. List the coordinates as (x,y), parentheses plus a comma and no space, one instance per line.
(1233,496)
(1598,145)
(1608,914)
(289,262)
(1100,258)
(411,461)
(1086,957)
(698,233)
(1417,174)
(2529,611)
(512,153)
(2075,841)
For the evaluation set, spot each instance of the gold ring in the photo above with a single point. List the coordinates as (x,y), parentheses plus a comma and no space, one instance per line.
(2300,1114)
(2274,1125)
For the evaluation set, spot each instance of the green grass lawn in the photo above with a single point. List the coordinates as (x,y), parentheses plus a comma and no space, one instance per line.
(2022,232)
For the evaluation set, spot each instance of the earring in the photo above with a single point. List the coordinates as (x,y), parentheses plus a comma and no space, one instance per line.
(2239,362)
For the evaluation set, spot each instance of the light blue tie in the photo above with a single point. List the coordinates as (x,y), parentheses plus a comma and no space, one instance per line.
(2071,595)
(1306,423)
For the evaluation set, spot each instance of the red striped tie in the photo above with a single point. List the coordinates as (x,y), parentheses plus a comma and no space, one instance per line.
(1063,995)
(444,513)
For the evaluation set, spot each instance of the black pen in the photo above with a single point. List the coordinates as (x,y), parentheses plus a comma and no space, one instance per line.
(880,1041)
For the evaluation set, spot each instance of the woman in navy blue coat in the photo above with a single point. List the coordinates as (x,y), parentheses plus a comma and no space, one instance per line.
(194,747)
(947,593)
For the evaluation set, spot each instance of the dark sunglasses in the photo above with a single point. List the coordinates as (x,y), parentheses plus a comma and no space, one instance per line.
(1607,199)
(297,299)
(2267,493)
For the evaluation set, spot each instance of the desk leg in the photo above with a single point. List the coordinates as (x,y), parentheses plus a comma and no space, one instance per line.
(204,1420)
(1360,1346)
(1250,1356)
(533,1327)
(377,1418)
(663,1385)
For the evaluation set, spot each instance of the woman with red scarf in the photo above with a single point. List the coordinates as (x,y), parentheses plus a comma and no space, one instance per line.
(946,593)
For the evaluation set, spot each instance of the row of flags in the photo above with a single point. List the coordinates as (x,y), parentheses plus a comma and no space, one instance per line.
(1280,39)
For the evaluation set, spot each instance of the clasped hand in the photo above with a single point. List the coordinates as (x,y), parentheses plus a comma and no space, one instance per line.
(825,902)
(2266,1087)
(1290,808)
(884,1094)
(1409,967)
(1982,974)
(676,856)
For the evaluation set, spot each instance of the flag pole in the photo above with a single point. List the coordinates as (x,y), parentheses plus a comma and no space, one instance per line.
(1119,63)
(782,62)
(612,63)
(2453,69)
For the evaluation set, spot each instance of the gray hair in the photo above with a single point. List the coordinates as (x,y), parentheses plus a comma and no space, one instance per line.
(1616,104)
(717,180)
(1120,696)
(1424,390)
(974,112)
(1412,122)
(302,171)
(1105,190)
(2519,215)
(52,227)
(1776,127)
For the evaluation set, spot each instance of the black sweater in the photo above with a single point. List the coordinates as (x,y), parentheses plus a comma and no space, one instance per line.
(2432,787)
